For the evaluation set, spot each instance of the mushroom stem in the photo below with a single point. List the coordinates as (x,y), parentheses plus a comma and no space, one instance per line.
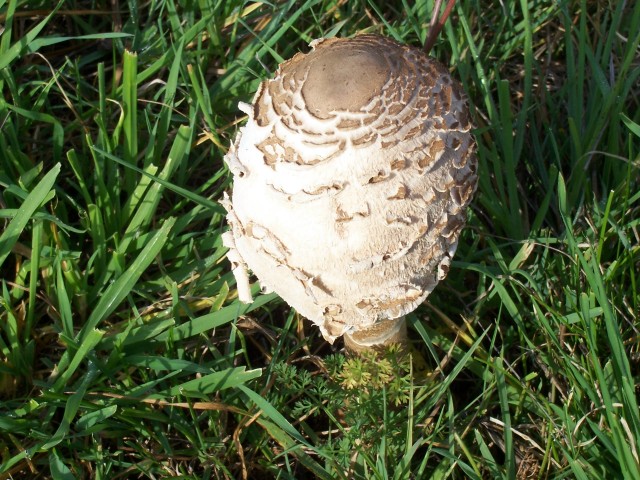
(379,335)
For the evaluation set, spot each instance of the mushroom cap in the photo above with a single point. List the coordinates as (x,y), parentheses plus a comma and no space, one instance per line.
(351,181)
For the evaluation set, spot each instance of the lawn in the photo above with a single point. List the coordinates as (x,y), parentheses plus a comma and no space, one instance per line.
(124,350)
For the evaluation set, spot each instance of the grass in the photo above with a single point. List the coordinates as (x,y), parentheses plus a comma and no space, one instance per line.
(124,352)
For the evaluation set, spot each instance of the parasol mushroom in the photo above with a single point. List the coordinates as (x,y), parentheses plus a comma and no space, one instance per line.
(351,182)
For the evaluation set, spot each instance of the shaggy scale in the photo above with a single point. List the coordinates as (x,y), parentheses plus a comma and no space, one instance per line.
(351,182)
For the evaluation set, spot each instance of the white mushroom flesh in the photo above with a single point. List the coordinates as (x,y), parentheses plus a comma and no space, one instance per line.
(351,181)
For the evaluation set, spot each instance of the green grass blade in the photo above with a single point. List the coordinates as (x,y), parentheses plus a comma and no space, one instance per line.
(59,471)
(214,319)
(212,206)
(72,405)
(8,55)
(123,285)
(130,112)
(33,201)
(214,382)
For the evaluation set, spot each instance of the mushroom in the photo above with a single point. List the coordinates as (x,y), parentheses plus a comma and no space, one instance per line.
(351,182)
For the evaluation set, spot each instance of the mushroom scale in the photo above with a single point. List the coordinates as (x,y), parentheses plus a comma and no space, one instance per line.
(351,181)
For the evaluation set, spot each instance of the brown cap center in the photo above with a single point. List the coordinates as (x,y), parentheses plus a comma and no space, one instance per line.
(343,79)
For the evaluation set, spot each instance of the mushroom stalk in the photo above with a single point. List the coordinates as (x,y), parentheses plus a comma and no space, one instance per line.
(378,336)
